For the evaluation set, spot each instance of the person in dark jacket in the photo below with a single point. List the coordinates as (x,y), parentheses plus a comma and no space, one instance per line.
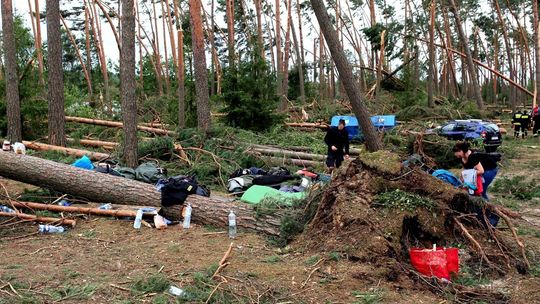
(536,122)
(337,140)
(481,162)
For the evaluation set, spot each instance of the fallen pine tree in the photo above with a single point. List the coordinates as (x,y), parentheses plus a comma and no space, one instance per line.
(104,188)
(40,219)
(116,124)
(95,156)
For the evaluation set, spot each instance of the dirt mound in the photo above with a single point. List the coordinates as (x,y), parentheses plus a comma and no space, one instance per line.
(355,219)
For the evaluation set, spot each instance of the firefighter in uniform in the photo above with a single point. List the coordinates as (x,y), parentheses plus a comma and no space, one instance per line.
(525,123)
(516,121)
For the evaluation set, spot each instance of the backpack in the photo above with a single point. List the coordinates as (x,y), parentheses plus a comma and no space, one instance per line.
(175,190)
(149,173)
(279,171)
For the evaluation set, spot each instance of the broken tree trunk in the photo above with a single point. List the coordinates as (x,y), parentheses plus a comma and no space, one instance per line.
(117,124)
(104,188)
(40,219)
(107,145)
(296,162)
(69,151)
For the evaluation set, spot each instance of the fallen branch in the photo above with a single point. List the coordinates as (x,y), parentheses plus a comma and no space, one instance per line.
(34,218)
(514,233)
(223,263)
(80,210)
(96,156)
(474,242)
(309,277)
(107,145)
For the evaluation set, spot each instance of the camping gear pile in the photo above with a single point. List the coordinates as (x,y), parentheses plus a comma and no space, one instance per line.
(255,184)
(174,190)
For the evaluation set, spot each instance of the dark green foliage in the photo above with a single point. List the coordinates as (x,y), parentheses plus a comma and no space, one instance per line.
(157,148)
(404,201)
(517,187)
(249,96)
(373,34)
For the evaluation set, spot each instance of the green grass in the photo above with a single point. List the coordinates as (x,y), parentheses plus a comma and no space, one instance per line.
(468,277)
(334,256)
(89,234)
(368,297)
(273,259)
(401,200)
(517,187)
(312,260)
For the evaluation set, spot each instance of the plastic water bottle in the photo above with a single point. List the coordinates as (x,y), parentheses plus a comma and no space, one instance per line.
(232,225)
(50,229)
(187,217)
(138,219)
(176,291)
(64,203)
(105,207)
(6,209)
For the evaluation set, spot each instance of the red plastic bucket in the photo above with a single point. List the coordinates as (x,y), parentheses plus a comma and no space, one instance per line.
(439,263)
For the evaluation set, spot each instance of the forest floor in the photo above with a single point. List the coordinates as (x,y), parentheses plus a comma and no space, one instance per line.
(104,260)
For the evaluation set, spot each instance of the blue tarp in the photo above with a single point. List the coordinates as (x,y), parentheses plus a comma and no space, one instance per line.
(384,122)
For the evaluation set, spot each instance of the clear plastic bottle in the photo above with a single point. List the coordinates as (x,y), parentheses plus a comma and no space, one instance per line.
(50,229)
(232,225)
(138,219)
(187,217)
(6,209)
(105,207)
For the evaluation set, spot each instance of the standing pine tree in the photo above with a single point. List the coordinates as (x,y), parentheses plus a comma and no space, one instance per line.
(250,95)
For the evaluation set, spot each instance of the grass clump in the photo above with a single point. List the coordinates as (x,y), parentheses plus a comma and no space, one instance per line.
(74,292)
(517,187)
(371,296)
(273,259)
(312,260)
(404,201)
(155,283)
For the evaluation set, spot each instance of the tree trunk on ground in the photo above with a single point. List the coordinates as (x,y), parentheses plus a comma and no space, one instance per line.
(128,84)
(40,219)
(105,188)
(117,124)
(13,104)
(536,51)
(470,63)
(373,142)
(431,63)
(55,95)
(201,74)
(95,156)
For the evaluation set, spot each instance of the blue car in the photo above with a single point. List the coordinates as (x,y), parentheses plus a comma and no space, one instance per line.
(473,130)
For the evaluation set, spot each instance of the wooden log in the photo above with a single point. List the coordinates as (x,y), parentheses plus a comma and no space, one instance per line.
(40,219)
(289,154)
(116,124)
(296,162)
(96,156)
(352,151)
(108,145)
(307,125)
(72,209)
(105,188)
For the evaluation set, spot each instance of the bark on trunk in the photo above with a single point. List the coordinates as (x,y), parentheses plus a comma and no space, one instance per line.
(13,104)
(512,94)
(181,76)
(470,62)
(373,142)
(230,30)
(104,188)
(536,52)
(128,84)
(431,63)
(201,74)
(289,154)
